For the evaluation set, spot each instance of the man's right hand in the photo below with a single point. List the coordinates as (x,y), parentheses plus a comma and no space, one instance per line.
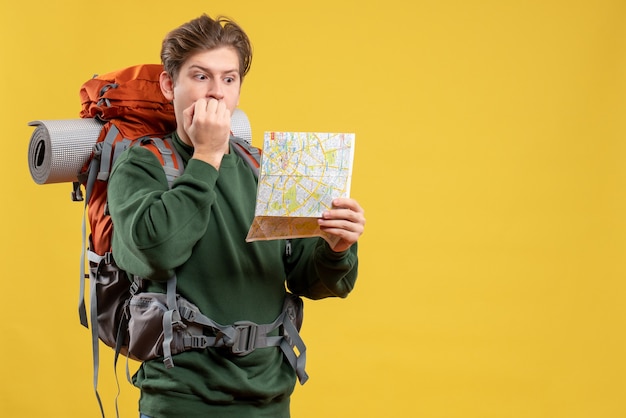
(207,123)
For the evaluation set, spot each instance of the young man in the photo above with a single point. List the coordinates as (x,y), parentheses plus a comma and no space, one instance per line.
(197,227)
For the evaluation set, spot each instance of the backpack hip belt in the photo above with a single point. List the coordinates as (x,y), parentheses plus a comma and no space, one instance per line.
(165,324)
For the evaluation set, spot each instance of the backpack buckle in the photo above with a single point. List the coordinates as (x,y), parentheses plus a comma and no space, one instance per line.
(245,338)
(77,194)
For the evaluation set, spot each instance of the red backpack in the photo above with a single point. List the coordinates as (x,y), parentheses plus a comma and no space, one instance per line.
(133,110)
(130,100)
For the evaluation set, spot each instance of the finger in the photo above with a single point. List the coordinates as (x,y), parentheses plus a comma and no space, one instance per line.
(342,225)
(344,214)
(212,106)
(347,203)
(188,115)
(348,235)
(221,110)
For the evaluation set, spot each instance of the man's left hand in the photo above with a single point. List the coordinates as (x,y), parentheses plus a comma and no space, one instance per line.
(346,220)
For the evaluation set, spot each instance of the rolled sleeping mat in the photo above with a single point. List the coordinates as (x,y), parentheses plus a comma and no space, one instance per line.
(240,126)
(58,149)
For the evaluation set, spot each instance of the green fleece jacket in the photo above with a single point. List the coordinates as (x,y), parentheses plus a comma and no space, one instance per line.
(197,229)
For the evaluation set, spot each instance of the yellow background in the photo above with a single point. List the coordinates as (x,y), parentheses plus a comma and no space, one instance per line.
(490,161)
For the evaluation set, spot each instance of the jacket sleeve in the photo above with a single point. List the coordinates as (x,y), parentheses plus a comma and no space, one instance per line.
(317,272)
(150,219)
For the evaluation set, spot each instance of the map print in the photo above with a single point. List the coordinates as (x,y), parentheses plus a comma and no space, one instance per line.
(300,175)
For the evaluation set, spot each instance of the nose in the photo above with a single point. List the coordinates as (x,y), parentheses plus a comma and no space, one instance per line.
(215,91)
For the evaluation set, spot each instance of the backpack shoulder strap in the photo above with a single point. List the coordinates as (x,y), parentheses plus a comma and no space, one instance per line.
(164,150)
(251,155)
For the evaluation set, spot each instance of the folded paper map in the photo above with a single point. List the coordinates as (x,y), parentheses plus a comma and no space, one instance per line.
(300,175)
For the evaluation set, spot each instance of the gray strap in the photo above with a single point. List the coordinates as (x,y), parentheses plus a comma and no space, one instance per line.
(226,334)
(242,338)
(134,289)
(91,179)
(168,161)
(82,310)
(171,172)
(250,154)
(297,361)
(179,159)
(107,150)
(169,318)
(120,147)
(171,293)
(93,257)
(94,337)
(168,335)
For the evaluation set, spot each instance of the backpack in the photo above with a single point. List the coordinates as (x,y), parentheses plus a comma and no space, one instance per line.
(145,325)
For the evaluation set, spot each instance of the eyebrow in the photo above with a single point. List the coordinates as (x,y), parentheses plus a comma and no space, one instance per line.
(207,70)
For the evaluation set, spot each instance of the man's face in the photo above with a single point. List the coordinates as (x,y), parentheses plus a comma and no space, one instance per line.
(209,74)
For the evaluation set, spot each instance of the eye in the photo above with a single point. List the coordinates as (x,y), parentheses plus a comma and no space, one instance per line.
(229,80)
(200,76)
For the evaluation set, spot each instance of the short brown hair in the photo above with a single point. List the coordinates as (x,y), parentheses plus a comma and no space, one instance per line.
(203,34)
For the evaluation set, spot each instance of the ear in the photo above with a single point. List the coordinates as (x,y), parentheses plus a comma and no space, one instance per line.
(167,86)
